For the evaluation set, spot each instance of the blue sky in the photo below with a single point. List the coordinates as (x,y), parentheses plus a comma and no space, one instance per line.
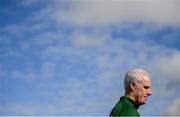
(66,58)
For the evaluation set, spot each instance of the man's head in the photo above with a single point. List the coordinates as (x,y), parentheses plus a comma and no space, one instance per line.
(137,85)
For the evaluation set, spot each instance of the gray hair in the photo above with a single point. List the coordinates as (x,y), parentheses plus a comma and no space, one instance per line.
(133,75)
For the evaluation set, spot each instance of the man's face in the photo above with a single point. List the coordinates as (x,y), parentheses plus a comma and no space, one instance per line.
(143,90)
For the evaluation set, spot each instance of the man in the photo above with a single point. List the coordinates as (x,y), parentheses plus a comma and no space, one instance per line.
(137,84)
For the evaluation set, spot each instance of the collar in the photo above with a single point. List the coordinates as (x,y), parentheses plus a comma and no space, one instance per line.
(132,102)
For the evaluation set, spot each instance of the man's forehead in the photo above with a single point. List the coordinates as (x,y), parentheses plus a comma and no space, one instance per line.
(145,79)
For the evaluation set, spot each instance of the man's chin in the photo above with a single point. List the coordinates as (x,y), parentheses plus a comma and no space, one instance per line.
(141,103)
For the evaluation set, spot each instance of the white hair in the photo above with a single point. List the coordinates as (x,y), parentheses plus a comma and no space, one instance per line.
(133,75)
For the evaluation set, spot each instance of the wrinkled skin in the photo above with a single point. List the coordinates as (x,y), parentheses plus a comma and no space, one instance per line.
(141,90)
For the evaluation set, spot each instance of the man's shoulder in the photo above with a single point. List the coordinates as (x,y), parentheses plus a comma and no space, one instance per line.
(124,108)
(127,110)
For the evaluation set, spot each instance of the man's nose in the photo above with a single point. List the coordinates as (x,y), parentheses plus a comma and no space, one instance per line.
(149,92)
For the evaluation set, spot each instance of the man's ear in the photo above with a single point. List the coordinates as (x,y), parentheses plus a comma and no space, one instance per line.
(133,86)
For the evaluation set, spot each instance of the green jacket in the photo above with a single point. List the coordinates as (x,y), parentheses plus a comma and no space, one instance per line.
(125,107)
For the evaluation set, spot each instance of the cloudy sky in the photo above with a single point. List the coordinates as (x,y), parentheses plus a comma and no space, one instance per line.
(69,57)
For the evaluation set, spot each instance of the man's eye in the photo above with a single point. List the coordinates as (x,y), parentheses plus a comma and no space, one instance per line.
(146,87)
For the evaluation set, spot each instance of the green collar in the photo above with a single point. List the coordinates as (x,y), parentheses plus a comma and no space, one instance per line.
(132,102)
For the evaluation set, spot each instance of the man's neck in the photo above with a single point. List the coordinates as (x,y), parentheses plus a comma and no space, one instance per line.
(130,95)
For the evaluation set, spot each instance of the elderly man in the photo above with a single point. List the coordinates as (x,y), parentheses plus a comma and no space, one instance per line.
(137,86)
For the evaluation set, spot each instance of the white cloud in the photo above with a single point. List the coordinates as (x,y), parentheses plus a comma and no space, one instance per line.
(21,30)
(85,96)
(48,70)
(111,57)
(28,109)
(14,29)
(29,2)
(168,66)
(173,108)
(88,40)
(107,12)
(57,53)
(20,75)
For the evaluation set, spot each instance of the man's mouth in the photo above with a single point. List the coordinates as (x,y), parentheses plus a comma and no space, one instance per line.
(145,98)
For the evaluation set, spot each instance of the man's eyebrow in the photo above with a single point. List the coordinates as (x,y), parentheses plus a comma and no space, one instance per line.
(145,86)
